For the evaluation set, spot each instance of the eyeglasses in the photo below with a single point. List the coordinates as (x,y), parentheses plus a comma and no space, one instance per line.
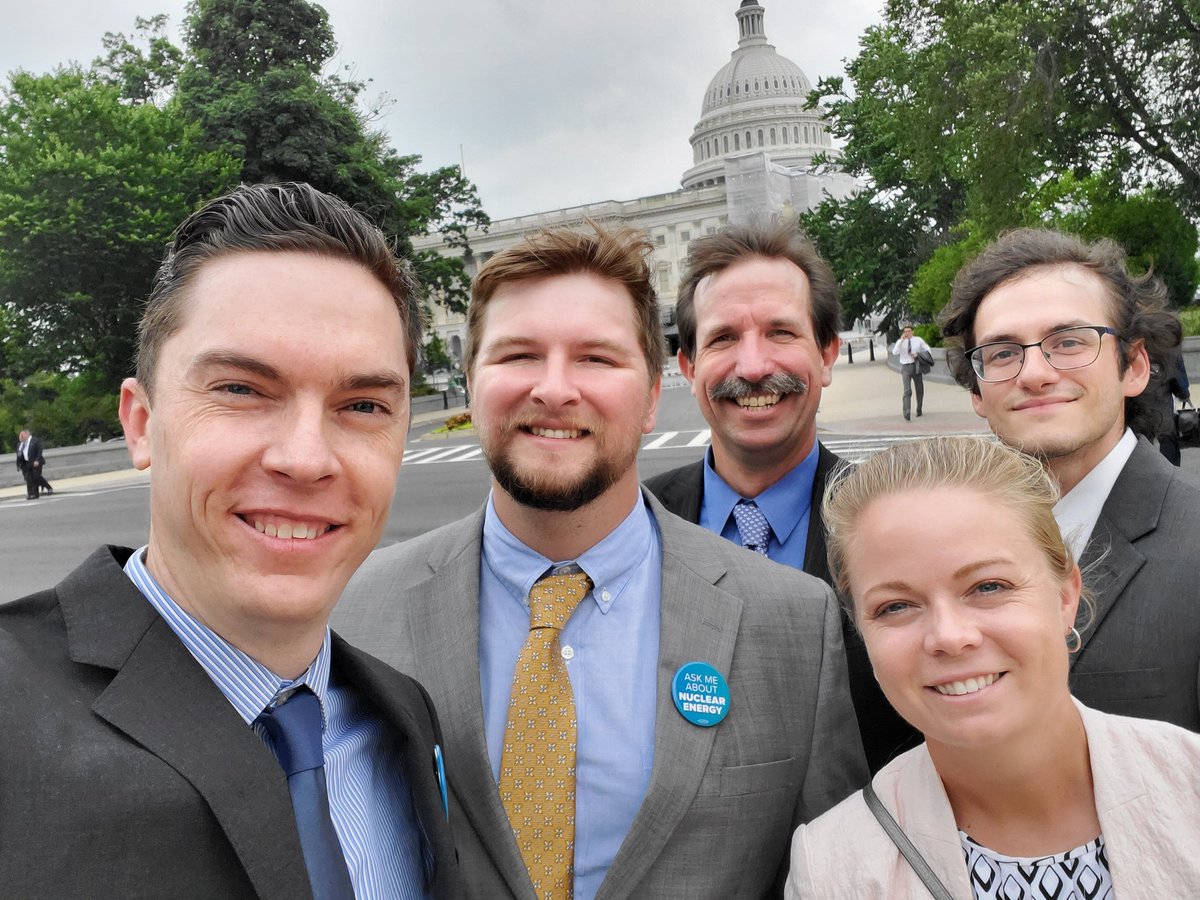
(1069,348)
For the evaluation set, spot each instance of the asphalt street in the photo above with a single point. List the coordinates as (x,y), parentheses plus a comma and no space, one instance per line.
(445,478)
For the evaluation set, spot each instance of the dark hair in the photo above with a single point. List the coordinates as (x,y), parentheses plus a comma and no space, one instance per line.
(1138,303)
(736,243)
(272,218)
(619,255)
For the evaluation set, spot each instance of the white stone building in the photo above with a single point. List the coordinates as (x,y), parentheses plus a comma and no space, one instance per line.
(752,150)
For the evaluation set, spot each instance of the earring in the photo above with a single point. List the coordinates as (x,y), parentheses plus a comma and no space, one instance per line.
(1074,641)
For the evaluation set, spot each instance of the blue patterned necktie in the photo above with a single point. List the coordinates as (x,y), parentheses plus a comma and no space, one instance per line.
(294,731)
(752,526)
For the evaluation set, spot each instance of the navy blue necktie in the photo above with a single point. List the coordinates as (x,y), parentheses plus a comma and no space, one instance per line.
(294,731)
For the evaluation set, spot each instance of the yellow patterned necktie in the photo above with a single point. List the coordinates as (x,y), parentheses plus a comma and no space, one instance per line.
(537,768)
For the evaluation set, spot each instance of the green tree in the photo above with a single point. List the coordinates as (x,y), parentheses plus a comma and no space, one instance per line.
(91,187)
(966,114)
(256,80)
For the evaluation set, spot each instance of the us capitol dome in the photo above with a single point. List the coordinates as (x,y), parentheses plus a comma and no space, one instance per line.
(752,159)
(755,102)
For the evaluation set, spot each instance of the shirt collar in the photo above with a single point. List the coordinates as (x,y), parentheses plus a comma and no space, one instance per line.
(610,563)
(783,504)
(246,683)
(1078,510)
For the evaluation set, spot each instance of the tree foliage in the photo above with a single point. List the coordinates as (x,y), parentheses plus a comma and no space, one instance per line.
(967,114)
(256,80)
(99,164)
(91,187)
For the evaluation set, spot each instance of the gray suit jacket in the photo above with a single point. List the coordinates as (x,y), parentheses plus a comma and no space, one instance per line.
(124,772)
(722,801)
(884,733)
(1141,655)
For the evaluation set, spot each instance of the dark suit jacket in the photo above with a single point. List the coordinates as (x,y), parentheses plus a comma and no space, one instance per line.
(722,802)
(1141,655)
(125,773)
(884,733)
(33,454)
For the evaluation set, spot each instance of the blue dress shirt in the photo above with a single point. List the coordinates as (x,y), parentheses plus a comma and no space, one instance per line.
(369,798)
(610,645)
(786,504)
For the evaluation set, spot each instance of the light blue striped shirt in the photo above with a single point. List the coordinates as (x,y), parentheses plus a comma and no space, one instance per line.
(369,798)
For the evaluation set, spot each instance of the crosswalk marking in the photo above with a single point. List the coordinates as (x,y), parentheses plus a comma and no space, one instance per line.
(852,449)
(663,439)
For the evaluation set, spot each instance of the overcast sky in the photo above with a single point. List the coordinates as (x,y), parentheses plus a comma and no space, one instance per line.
(552,103)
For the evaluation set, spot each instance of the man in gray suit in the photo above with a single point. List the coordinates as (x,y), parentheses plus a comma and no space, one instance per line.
(758,315)
(1055,341)
(707,687)
(148,695)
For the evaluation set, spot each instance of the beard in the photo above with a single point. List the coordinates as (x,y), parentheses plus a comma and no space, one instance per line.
(776,383)
(546,490)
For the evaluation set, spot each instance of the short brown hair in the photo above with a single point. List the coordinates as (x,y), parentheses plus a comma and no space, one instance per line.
(1138,303)
(272,218)
(980,464)
(619,255)
(736,243)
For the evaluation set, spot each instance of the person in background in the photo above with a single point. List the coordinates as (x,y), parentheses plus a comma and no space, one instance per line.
(31,464)
(1019,790)
(1170,382)
(907,349)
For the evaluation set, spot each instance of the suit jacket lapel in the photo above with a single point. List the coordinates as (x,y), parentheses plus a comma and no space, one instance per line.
(445,630)
(685,492)
(699,622)
(1130,512)
(816,561)
(161,698)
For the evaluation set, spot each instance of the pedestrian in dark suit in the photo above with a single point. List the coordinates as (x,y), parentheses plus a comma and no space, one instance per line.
(31,464)
(178,720)
(658,800)
(758,317)
(1054,339)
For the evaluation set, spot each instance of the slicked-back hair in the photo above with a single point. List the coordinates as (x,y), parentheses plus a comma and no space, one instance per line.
(1138,304)
(737,243)
(619,254)
(288,217)
(980,464)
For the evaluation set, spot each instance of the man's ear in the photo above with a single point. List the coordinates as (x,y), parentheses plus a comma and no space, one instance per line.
(1137,370)
(135,419)
(687,369)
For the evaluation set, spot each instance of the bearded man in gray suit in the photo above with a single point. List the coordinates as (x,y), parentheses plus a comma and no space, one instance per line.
(1055,340)
(659,794)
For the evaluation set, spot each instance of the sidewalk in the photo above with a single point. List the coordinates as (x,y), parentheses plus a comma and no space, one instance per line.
(866,399)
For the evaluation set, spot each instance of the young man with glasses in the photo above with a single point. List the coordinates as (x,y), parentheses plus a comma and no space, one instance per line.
(1054,339)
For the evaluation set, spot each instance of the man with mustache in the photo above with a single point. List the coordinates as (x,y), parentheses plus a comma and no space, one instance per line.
(758,316)
(1055,340)
(690,706)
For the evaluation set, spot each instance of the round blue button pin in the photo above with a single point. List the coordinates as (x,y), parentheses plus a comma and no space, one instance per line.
(701,694)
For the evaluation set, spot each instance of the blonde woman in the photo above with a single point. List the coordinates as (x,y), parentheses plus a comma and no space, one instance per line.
(968,616)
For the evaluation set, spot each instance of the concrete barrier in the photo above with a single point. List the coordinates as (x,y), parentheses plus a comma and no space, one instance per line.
(69,462)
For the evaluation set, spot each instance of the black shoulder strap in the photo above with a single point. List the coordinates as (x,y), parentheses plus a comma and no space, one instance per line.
(900,839)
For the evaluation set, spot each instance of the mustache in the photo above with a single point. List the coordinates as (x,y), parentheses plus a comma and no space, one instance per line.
(775,383)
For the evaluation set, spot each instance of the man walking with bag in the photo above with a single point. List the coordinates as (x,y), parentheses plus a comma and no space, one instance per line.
(910,349)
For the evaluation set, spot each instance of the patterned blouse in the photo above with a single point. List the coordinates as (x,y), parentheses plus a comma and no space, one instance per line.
(1079,874)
